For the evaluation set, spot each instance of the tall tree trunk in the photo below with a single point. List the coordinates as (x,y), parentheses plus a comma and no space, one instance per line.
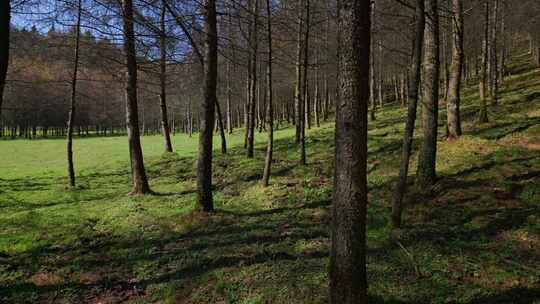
(482,115)
(253,82)
(270,109)
(138,173)
(327,57)
(426,174)
(372,65)
(207,113)
(305,88)
(348,282)
(414,83)
(454,86)
(229,76)
(5,28)
(494,52)
(163,81)
(316,103)
(298,96)
(71,118)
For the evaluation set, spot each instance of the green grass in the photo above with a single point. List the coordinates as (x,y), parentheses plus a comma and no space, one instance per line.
(477,240)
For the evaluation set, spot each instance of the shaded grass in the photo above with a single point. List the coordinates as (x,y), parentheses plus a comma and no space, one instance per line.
(476,241)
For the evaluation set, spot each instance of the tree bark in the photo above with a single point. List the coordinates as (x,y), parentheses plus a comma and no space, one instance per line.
(253,80)
(270,109)
(5,28)
(426,174)
(298,96)
(454,85)
(414,83)
(482,115)
(207,113)
(163,81)
(348,282)
(306,120)
(138,173)
(221,129)
(372,116)
(73,97)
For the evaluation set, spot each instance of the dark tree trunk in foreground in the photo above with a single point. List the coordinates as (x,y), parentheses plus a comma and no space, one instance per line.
(163,82)
(414,83)
(454,85)
(270,109)
(348,282)
(253,82)
(426,174)
(140,182)
(71,118)
(204,162)
(5,27)
(482,115)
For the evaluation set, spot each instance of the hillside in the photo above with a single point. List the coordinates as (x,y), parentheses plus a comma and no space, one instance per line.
(477,240)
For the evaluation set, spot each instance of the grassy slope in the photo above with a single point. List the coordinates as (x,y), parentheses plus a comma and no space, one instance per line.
(477,241)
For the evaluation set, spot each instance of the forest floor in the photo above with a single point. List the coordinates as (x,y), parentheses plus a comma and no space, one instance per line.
(476,240)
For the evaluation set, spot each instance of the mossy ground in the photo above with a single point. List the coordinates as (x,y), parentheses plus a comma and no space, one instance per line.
(476,240)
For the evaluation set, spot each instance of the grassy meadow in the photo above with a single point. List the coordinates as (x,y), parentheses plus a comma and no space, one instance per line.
(477,240)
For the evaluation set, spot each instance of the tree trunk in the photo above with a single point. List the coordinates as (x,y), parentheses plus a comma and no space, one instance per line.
(414,83)
(494,51)
(482,115)
(71,118)
(221,129)
(426,175)
(454,85)
(305,88)
(140,182)
(163,82)
(348,282)
(253,82)
(372,80)
(270,110)
(207,114)
(298,96)
(5,28)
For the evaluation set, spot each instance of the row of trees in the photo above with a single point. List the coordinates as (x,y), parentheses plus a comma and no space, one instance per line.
(247,63)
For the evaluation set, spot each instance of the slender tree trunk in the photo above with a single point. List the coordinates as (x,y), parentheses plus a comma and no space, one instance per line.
(253,83)
(305,88)
(414,83)
(232,39)
(207,114)
(494,51)
(454,86)
(372,80)
(270,110)
(348,282)
(221,129)
(71,118)
(298,96)
(327,57)
(316,103)
(482,115)
(426,174)
(163,81)
(5,28)
(140,182)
